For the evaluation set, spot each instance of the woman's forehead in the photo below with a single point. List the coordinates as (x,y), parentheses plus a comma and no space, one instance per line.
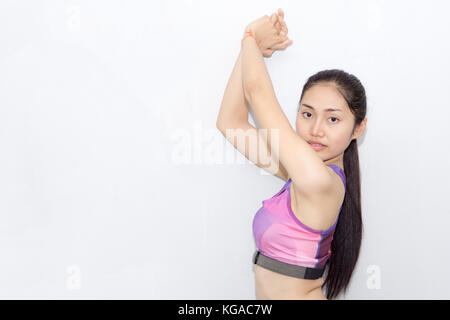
(323,98)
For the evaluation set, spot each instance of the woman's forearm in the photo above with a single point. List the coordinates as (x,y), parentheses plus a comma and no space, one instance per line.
(234,106)
(254,71)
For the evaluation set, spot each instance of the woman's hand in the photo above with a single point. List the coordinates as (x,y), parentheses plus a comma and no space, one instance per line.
(270,33)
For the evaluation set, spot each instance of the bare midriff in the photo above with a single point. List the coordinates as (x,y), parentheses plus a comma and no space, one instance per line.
(271,285)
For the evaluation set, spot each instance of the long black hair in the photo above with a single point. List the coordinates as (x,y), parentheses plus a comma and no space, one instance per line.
(348,233)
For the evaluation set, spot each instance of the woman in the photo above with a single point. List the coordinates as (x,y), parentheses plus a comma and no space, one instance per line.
(315,219)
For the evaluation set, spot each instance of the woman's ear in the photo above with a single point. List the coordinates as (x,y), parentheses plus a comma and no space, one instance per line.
(360,129)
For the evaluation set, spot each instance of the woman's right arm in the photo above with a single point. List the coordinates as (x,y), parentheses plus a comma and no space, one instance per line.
(233,115)
(234,108)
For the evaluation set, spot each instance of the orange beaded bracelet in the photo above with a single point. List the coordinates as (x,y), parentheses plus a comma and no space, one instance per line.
(249,33)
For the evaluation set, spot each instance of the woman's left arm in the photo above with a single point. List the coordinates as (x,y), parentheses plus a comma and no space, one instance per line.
(300,160)
(265,35)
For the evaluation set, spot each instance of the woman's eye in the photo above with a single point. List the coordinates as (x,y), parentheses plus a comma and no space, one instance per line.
(334,118)
(335,121)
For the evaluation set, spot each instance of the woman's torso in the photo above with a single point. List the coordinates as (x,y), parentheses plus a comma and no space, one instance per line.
(274,285)
(271,285)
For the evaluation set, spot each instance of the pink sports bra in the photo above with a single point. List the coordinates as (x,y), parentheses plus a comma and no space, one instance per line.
(280,235)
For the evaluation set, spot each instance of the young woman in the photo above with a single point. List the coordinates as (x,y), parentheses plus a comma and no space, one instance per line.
(314,221)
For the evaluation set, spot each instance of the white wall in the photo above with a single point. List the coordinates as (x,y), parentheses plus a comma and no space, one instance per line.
(113,177)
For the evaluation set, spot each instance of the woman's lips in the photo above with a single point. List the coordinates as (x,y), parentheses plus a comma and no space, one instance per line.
(317,147)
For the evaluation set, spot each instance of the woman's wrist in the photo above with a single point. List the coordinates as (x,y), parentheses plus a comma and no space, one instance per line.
(249,33)
(249,28)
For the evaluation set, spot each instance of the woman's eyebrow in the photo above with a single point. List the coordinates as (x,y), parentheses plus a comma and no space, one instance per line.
(329,109)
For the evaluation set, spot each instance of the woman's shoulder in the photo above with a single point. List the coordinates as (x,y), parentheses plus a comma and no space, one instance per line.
(320,211)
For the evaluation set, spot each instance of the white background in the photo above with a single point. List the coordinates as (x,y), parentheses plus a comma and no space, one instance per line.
(113,177)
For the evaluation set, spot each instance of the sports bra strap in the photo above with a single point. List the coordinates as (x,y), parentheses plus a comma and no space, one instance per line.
(336,169)
(339,171)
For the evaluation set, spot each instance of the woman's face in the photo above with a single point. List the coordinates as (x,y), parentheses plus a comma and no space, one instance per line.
(330,128)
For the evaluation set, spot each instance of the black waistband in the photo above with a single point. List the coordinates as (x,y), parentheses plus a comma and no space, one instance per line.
(287,268)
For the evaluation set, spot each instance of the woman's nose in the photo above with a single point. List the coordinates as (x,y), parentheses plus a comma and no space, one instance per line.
(317,128)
